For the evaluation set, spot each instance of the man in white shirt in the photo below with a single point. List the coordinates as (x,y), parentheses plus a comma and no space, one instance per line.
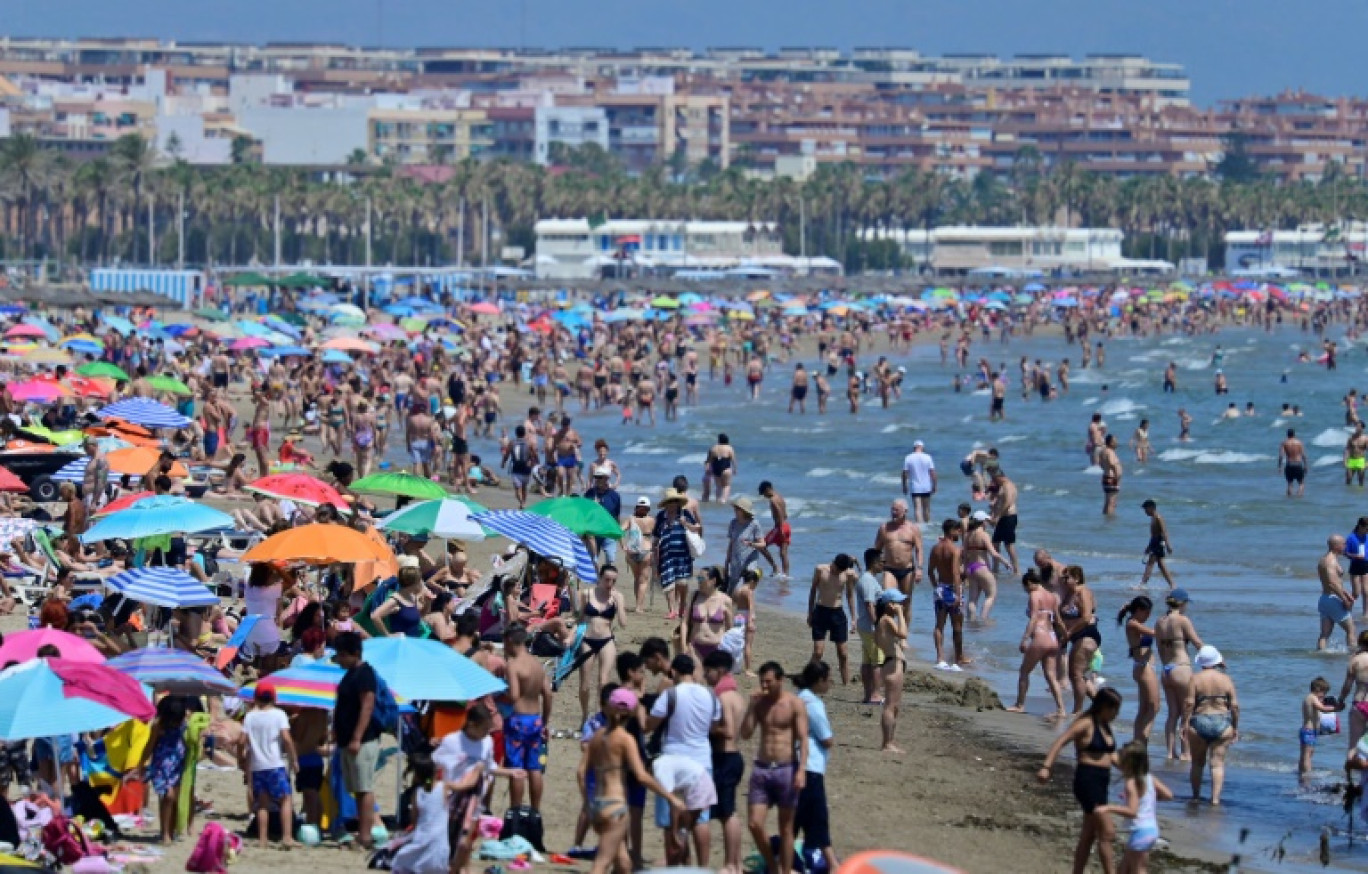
(267,732)
(919,481)
(689,712)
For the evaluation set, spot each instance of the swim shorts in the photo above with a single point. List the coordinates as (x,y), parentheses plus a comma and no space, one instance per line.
(274,782)
(780,536)
(830,621)
(523,742)
(1308,737)
(1156,548)
(728,769)
(1355,463)
(421,451)
(870,654)
(1142,840)
(1294,473)
(1332,608)
(771,783)
(1004,531)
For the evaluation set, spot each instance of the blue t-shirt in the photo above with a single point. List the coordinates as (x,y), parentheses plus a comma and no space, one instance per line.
(819,729)
(866,592)
(1353,546)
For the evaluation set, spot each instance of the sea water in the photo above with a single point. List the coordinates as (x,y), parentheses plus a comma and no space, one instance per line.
(1246,553)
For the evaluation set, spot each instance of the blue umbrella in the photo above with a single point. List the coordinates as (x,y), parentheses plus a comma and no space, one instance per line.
(145,412)
(254,329)
(12,309)
(177,330)
(426,670)
(284,352)
(544,536)
(336,356)
(33,703)
(83,347)
(163,587)
(118,323)
(1033,287)
(174,671)
(151,517)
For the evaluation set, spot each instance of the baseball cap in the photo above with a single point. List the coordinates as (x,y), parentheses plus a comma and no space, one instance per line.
(643,501)
(406,561)
(980,516)
(622,699)
(918,445)
(892,595)
(265,694)
(1179,596)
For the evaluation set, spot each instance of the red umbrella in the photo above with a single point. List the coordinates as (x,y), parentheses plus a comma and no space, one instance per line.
(299,487)
(123,503)
(11,483)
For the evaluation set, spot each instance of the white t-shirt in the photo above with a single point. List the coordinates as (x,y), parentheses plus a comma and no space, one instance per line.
(263,729)
(457,754)
(696,709)
(918,467)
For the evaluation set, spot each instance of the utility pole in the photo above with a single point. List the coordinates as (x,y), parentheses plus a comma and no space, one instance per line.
(277,231)
(484,245)
(180,230)
(460,237)
(151,236)
(366,278)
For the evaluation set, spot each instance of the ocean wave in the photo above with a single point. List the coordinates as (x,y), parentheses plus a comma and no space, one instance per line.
(886,479)
(645,449)
(1093,470)
(1207,456)
(822,472)
(692,458)
(1125,417)
(1195,363)
(1331,437)
(1119,405)
(1088,402)
(1179,454)
(1328,460)
(1012,438)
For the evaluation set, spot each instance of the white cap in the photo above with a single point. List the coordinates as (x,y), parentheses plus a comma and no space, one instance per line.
(980,516)
(917,444)
(643,501)
(1208,657)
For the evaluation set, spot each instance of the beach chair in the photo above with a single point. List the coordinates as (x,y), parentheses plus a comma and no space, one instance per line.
(81,581)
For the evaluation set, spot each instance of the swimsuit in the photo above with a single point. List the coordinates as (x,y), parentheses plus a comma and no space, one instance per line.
(1211,726)
(974,567)
(1091,782)
(771,784)
(1332,608)
(524,746)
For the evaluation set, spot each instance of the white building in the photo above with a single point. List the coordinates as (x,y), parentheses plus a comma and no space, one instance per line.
(959,250)
(1311,247)
(572,249)
(304,135)
(574,126)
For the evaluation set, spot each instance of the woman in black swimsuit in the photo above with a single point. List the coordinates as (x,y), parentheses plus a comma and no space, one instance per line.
(598,608)
(1095,748)
(1077,610)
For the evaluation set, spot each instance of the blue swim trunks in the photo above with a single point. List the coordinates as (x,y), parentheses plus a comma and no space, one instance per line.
(524,745)
(1332,608)
(275,782)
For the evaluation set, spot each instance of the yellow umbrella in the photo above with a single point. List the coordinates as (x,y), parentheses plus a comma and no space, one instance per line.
(47,355)
(741,316)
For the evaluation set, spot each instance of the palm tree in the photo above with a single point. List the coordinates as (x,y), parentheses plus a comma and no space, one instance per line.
(25,172)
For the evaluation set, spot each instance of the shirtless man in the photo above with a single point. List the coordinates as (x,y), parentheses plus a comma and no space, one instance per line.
(460,449)
(780,768)
(900,541)
(1355,450)
(1158,547)
(727,762)
(823,392)
(827,616)
(259,433)
(853,394)
(943,572)
(566,445)
(645,401)
(1110,462)
(691,377)
(418,439)
(781,535)
(1097,432)
(798,393)
(1050,570)
(216,416)
(996,409)
(525,732)
(1335,605)
(755,374)
(1003,516)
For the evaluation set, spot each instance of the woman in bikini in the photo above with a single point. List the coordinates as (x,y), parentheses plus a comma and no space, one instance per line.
(1095,748)
(598,607)
(405,608)
(1077,611)
(1140,640)
(719,468)
(709,616)
(335,424)
(1039,642)
(978,573)
(1173,634)
(1213,712)
(890,635)
(1355,691)
(638,532)
(611,754)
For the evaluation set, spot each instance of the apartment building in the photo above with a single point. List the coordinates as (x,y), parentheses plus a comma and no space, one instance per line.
(579,249)
(421,135)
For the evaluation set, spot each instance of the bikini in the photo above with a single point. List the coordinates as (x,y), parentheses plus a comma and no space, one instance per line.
(1089,631)
(706,649)
(1171,665)
(1091,782)
(1211,726)
(1145,645)
(591,612)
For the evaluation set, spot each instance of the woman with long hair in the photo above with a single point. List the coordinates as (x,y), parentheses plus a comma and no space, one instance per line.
(1095,747)
(599,606)
(1173,634)
(710,613)
(1039,642)
(1140,640)
(1077,610)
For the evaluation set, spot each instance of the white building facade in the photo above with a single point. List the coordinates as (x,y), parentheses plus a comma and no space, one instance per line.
(573,249)
(952,251)
(572,126)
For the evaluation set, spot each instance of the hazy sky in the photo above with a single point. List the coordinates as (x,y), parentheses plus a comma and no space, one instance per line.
(1230,47)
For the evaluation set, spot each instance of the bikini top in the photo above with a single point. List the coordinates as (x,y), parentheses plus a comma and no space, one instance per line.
(1099,742)
(592,612)
(717,616)
(1202,699)
(1145,640)
(1069,610)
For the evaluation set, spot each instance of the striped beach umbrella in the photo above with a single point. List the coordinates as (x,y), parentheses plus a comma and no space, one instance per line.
(162,587)
(544,536)
(303,686)
(448,518)
(145,412)
(174,671)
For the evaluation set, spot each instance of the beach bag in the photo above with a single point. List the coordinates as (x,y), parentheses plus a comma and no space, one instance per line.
(524,822)
(633,543)
(697,545)
(66,842)
(213,851)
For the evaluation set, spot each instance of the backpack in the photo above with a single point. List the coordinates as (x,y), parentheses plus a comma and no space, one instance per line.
(66,842)
(386,712)
(526,822)
(213,851)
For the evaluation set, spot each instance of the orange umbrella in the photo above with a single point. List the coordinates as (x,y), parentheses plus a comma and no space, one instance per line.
(138,460)
(126,432)
(11,483)
(318,544)
(365,573)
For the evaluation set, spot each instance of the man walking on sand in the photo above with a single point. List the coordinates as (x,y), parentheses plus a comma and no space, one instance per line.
(833,586)
(727,762)
(780,768)
(919,481)
(1158,547)
(525,732)
(355,732)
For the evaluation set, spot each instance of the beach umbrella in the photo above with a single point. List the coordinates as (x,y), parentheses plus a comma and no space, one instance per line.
(169,384)
(285,352)
(581,515)
(123,503)
(26,330)
(318,544)
(212,314)
(11,483)
(544,536)
(47,355)
(447,518)
(350,344)
(162,587)
(156,516)
(420,669)
(625,315)
(52,697)
(892,862)
(83,347)
(243,344)
(172,670)
(92,387)
(300,488)
(665,303)
(21,646)
(313,686)
(403,484)
(143,411)
(386,331)
(103,369)
(332,356)
(484,308)
(347,310)
(39,391)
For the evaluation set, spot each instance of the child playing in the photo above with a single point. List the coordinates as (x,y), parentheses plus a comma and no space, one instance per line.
(744,599)
(166,752)
(1314,707)
(1143,792)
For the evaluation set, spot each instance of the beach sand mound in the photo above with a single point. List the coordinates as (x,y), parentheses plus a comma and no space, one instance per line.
(972,693)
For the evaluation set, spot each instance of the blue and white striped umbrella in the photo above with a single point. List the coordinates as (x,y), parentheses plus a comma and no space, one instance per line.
(174,671)
(544,536)
(145,412)
(73,472)
(162,587)
(150,517)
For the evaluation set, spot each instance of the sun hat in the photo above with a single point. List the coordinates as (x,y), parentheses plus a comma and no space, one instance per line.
(744,504)
(622,699)
(673,495)
(1208,657)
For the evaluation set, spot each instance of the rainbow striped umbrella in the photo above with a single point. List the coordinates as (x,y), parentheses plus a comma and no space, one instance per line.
(304,686)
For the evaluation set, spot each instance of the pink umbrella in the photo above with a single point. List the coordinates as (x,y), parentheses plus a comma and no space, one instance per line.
(36,390)
(702,306)
(242,344)
(485,308)
(22,646)
(103,685)
(26,331)
(386,331)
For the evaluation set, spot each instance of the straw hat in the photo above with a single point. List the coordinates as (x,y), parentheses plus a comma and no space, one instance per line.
(743,504)
(673,495)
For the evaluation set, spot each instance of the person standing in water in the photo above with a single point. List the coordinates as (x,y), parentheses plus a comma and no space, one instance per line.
(1110,462)
(1173,634)
(1355,450)
(1158,547)
(1140,442)
(1336,606)
(1292,463)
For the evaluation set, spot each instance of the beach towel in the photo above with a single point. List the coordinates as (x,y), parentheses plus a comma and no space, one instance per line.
(196,724)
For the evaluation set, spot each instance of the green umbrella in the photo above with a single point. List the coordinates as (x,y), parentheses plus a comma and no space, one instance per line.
(213,315)
(293,319)
(404,484)
(448,518)
(665,303)
(580,515)
(102,368)
(169,384)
